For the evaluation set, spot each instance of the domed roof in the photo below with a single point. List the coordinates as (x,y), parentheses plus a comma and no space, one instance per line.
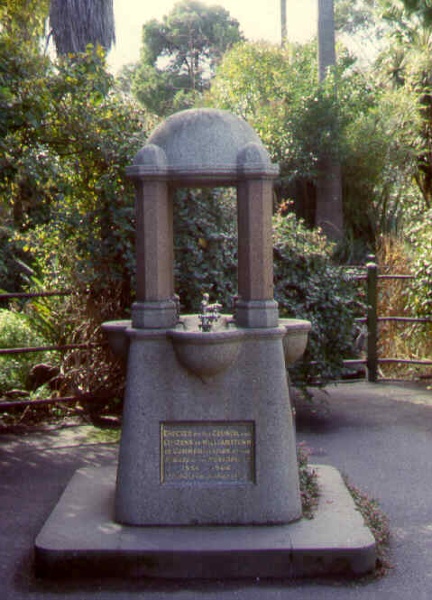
(203,146)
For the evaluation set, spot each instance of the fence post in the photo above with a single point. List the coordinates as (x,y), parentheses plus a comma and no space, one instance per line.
(372,319)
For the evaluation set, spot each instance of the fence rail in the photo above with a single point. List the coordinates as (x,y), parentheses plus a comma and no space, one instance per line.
(47,401)
(84,397)
(59,348)
(372,320)
(24,295)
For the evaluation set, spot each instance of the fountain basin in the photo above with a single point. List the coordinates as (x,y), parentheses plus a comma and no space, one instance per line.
(295,339)
(206,354)
(115,332)
(209,353)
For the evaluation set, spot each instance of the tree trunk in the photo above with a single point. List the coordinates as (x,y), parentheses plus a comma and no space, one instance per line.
(329,211)
(77,23)
(329,206)
(326,37)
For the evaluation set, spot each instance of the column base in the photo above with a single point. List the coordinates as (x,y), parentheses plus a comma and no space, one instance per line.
(256,313)
(154,315)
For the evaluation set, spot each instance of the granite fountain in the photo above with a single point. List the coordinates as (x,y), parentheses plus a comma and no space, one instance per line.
(207,481)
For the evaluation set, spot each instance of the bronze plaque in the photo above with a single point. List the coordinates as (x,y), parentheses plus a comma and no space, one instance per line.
(211,451)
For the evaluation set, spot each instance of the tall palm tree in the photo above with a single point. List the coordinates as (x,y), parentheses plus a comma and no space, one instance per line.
(77,23)
(329,208)
(326,37)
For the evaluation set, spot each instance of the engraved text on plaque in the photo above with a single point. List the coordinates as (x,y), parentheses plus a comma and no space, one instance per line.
(211,451)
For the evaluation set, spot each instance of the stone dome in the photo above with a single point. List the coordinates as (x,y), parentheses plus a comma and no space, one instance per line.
(203,147)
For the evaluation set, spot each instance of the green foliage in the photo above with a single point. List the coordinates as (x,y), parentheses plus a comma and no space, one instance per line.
(308,479)
(21,96)
(25,172)
(272,88)
(374,134)
(24,19)
(309,286)
(405,64)
(307,283)
(72,205)
(205,235)
(380,163)
(65,202)
(376,521)
(16,331)
(421,9)
(11,265)
(404,68)
(192,37)
(420,294)
(179,55)
(352,16)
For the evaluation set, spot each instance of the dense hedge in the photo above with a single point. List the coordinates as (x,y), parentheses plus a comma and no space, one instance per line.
(309,285)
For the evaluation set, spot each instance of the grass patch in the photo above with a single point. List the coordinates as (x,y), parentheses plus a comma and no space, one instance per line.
(309,487)
(369,508)
(377,522)
(104,436)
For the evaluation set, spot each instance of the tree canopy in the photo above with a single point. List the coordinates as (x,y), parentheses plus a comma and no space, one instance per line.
(422,8)
(23,19)
(353,15)
(180,53)
(405,65)
(277,91)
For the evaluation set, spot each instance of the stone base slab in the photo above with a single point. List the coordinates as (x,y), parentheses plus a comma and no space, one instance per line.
(81,538)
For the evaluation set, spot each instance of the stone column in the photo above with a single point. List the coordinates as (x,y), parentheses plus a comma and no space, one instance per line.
(154,307)
(256,306)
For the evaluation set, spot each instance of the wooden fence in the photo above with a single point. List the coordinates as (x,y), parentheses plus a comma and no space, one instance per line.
(5,405)
(372,320)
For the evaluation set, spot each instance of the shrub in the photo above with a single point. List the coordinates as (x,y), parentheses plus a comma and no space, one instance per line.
(17,332)
(205,237)
(68,204)
(308,285)
(403,298)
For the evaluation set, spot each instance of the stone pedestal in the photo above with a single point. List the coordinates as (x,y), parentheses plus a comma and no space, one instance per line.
(207,450)
(208,437)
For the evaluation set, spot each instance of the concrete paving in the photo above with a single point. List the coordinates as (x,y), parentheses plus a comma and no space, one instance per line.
(380,435)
